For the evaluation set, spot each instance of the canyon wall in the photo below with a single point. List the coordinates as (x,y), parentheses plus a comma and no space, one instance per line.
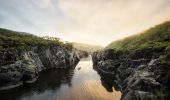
(22,66)
(139,75)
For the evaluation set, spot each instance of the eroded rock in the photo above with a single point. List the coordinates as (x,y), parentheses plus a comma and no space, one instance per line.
(139,75)
(18,67)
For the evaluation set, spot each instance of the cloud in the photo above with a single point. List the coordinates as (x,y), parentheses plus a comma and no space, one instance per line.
(114,19)
(91,21)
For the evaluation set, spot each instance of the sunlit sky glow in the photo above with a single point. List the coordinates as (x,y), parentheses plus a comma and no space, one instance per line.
(86,21)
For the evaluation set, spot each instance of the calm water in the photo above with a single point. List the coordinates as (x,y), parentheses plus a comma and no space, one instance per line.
(81,83)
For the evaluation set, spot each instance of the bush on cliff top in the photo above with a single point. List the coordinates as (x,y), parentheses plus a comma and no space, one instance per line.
(19,40)
(156,37)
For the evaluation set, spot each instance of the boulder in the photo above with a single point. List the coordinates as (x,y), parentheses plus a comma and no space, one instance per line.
(18,67)
(139,75)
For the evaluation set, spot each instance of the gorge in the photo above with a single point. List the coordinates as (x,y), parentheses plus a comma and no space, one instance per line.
(21,62)
(138,66)
(44,68)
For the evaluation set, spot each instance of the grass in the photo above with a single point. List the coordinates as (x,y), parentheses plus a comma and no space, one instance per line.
(11,41)
(24,41)
(156,37)
(31,67)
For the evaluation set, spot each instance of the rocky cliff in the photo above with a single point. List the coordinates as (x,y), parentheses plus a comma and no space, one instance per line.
(138,66)
(24,66)
(23,56)
(139,75)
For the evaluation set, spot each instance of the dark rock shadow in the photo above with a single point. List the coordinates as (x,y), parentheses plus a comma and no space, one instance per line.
(107,81)
(48,80)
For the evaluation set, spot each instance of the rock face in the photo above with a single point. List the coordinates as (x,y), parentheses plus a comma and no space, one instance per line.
(139,75)
(18,67)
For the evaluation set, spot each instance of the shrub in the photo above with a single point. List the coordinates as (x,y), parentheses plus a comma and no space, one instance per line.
(24,41)
(156,37)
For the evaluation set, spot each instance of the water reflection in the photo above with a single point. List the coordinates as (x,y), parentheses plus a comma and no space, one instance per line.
(48,82)
(109,84)
(81,83)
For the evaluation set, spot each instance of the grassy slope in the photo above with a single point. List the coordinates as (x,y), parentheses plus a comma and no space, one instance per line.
(156,37)
(87,47)
(20,40)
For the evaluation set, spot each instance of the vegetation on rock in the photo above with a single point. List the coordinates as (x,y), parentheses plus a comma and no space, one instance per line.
(138,65)
(156,38)
(24,41)
(13,43)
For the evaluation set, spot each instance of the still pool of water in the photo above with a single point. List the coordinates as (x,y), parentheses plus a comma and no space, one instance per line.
(81,83)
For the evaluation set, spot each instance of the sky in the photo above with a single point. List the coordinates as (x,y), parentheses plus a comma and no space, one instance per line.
(86,21)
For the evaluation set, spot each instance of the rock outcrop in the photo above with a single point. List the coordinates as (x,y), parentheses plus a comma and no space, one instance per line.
(19,66)
(139,75)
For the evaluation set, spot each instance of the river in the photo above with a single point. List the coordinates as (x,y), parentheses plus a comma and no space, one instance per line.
(81,83)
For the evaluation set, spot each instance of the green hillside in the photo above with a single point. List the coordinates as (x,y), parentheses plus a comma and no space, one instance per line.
(24,41)
(156,37)
(86,47)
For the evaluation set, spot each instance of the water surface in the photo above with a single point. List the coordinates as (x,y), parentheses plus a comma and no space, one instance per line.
(81,83)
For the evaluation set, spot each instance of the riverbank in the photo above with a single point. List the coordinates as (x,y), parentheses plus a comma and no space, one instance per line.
(24,55)
(138,66)
(138,75)
(65,84)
